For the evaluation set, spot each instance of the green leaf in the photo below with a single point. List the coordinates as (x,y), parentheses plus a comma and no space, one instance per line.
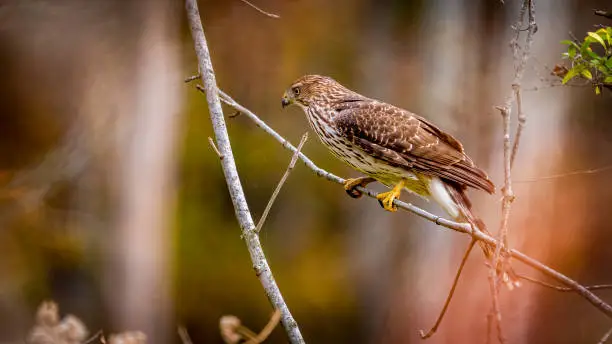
(589,52)
(597,90)
(608,80)
(570,74)
(585,50)
(609,63)
(597,38)
(587,74)
(570,43)
(603,32)
(571,51)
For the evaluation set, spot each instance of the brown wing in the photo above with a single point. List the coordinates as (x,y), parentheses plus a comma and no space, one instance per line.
(406,140)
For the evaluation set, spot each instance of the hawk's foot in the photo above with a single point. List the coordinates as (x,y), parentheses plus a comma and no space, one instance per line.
(386,198)
(351,184)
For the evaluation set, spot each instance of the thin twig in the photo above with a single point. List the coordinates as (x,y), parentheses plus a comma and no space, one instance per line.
(562,289)
(96,335)
(434,328)
(489,327)
(522,120)
(563,175)
(241,208)
(605,337)
(267,330)
(281,183)
(272,15)
(192,78)
(603,13)
(510,150)
(214,147)
(185,338)
(456,226)
(495,313)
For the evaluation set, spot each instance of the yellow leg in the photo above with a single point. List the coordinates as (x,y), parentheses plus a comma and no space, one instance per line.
(351,183)
(386,198)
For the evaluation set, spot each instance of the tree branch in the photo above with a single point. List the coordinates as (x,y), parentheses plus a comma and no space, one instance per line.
(262,220)
(434,328)
(510,149)
(605,337)
(271,15)
(243,215)
(603,13)
(567,174)
(562,289)
(465,228)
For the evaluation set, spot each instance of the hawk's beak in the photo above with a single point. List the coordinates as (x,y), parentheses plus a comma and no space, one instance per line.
(285,101)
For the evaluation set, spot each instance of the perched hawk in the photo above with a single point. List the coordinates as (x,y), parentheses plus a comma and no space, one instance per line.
(390,145)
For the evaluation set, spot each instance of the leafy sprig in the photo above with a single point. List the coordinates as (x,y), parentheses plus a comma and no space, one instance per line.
(591,59)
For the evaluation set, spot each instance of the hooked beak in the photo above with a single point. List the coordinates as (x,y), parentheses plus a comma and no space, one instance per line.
(285,101)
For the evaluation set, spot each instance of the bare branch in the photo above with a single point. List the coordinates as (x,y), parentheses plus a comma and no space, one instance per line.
(603,13)
(192,78)
(522,120)
(510,150)
(456,226)
(605,337)
(495,315)
(243,215)
(562,289)
(568,174)
(280,183)
(267,330)
(271,15)
(96,335)
(434,328)
(185,338)
(212,145)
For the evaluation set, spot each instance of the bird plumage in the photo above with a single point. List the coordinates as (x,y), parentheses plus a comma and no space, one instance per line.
(380,139)
(392,145)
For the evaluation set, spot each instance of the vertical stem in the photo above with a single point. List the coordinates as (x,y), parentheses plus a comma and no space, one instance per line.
(243,215)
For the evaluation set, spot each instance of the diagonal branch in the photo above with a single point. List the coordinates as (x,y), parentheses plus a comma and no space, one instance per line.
(562,289)
(271,15)
(456,226)
(605,337)
(243,215)
(434,328)
(262,220)
(603,13)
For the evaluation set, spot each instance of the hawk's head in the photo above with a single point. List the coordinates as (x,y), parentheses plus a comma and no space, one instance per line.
(314,89)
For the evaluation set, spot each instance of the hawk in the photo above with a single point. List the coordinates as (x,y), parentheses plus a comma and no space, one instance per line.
(392,146)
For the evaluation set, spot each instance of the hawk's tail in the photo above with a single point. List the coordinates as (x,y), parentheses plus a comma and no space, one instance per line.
(462,202)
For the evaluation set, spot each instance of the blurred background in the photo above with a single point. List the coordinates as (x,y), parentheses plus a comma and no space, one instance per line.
(114,205)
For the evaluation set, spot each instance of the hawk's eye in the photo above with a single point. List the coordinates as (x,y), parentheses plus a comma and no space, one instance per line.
(296,91)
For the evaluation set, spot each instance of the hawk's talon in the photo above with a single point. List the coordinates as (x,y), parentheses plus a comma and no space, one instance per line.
(386,198)
(351,184)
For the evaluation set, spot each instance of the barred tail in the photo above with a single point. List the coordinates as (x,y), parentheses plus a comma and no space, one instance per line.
(464,213)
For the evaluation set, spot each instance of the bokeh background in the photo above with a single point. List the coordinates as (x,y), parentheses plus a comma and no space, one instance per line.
(114,205)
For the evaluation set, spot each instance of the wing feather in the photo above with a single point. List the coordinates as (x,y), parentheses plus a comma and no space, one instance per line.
(406,140)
